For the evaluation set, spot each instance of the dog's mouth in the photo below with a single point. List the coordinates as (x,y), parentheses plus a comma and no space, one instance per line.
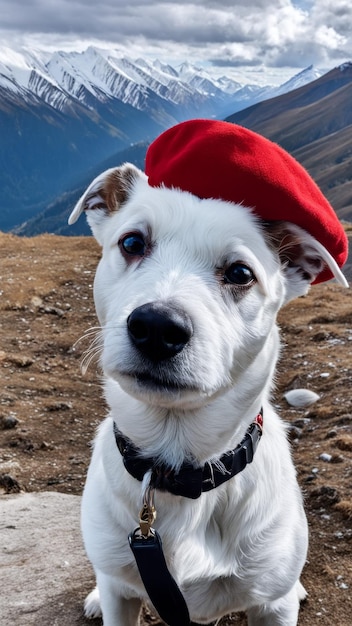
(152,382)
(163,388)
(162,391)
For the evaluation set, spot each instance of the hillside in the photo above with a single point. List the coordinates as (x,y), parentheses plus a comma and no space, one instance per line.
(44,150)
(49,410)
(314,123)
(53,219)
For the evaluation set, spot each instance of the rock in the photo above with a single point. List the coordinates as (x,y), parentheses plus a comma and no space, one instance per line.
(301,422)
(44,571)
(53,310)
(9,484)
(324,496)
(310,478)
(59,406)
(300,398)
(331,434)
(321,336)
(8,422)
(293,432)
(20,360)
(343,585)
(36,301)
(325,457)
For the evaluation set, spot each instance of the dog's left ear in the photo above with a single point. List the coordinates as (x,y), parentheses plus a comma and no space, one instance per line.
(106,193)
(302,258)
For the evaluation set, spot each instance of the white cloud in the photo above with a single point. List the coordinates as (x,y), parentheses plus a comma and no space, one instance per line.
(239,33)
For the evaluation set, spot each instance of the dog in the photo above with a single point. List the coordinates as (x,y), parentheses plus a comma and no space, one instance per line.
(187,294)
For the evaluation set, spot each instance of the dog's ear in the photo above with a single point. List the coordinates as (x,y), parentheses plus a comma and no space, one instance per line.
(106,193)
(302,257)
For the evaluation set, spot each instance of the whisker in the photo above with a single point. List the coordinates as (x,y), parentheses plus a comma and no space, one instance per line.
(92,353)
(87,334)
(88,357)
(96,343)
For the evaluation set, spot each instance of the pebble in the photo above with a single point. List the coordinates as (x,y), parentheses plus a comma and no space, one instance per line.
(294,432)
(59,406)
(21,360)
(54,310)
(36,301)
(321,336)
(301,422)
(9,484)
(325,457)
(9,422)
(300,398)
(310,478)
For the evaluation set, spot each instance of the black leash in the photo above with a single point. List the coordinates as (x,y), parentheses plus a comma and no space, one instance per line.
(145,542)
(161,587)
(162,590)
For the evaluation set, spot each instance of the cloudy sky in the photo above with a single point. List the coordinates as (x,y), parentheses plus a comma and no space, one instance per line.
(234,36)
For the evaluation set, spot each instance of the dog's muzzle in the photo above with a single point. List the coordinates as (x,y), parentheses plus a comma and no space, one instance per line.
(159,331)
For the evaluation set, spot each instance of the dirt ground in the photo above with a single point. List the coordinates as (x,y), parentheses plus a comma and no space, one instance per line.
(49,410)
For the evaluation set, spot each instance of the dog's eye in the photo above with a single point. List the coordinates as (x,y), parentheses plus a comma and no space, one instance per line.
(239,274)
(133,244)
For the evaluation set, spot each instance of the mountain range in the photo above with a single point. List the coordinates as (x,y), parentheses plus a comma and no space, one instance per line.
(314,123)
(64,114)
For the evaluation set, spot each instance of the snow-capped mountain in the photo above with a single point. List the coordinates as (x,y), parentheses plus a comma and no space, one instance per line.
(63,113)
(98,75)
(299,80)
(102,75)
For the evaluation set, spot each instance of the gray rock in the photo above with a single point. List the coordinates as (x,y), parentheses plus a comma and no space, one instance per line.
(44,572)
(300,398)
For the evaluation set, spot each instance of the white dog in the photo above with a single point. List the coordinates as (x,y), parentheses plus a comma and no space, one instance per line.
(187,294)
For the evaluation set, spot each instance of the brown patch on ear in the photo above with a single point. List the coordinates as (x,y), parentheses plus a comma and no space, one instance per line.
(283,241)
(295,248)
(117,187)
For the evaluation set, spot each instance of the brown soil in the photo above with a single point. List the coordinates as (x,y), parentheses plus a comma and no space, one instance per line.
(49,411)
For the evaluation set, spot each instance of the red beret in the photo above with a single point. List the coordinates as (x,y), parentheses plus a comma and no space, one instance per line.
(214,159)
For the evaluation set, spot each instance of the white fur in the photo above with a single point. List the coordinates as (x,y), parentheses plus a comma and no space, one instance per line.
(243,545)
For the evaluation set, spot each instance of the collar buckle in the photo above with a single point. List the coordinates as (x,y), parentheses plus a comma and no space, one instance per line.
(147,514)
(253,437)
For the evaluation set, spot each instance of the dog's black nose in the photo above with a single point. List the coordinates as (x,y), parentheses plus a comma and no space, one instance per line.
(159,331)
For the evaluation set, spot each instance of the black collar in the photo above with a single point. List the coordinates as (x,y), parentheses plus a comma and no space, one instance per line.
(191,481)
